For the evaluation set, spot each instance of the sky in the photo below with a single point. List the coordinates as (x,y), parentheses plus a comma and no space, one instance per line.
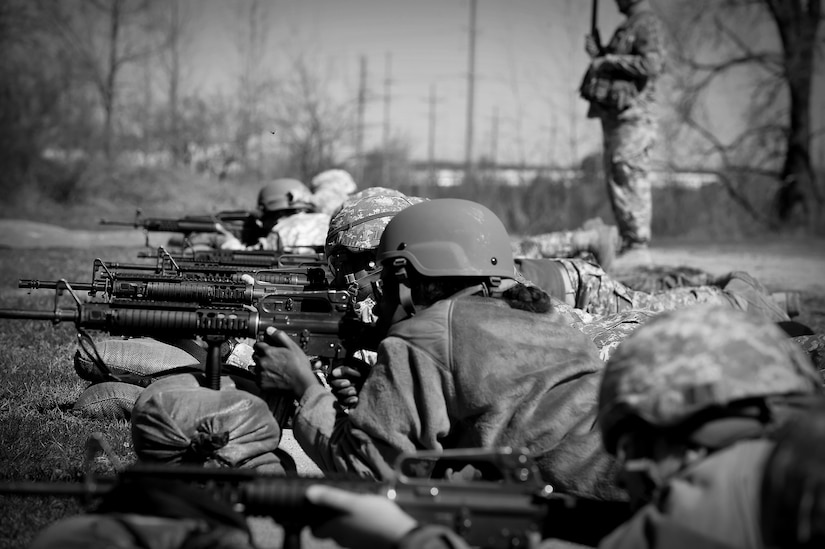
(529,61)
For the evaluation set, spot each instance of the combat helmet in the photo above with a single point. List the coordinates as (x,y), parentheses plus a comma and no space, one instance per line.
(284,194)
(696,360)
(360,222)
(354,234)
(449,237)
(331,188)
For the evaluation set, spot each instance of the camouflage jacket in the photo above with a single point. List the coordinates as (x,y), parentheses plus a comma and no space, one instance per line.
(635,54)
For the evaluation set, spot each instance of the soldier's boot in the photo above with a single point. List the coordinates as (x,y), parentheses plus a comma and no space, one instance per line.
(789,301)
(599,239)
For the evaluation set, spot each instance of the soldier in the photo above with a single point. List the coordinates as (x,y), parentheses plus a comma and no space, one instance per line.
(585,285)
(470,358)
(689,405)
(330,189)
(353,236)
(594,239)
(288,221)
(621,87)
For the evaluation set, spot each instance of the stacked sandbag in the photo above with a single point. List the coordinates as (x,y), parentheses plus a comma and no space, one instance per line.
(178,420)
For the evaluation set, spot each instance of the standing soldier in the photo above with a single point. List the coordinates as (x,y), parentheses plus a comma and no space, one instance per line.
(620,85)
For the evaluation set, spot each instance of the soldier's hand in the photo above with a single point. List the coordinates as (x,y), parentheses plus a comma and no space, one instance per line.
(345,382)
(361,520)
(280,364)
(591,46)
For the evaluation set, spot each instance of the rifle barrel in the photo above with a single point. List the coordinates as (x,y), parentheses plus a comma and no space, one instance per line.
(54,284)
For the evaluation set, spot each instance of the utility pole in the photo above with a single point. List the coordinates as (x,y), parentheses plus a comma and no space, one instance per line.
(385,158)
(494,140)
(362,101)
(431,141)
(471,77)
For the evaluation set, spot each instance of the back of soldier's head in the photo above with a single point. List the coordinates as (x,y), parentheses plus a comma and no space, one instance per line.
(792,502)
(448,237)
(330,189)
(706,372)
(284,195)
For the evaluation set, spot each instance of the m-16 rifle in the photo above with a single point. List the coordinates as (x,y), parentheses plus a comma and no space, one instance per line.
(176,289)
(513,507)
(251,258)
(117,285)
(322,322)
(166,265)
(236,221)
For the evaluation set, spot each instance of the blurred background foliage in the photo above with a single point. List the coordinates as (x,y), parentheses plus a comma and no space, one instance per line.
(95,122)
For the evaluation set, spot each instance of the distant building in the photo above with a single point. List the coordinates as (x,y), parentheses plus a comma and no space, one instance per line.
(452,174)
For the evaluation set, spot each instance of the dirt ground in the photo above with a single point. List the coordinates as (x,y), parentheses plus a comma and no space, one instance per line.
(780,264)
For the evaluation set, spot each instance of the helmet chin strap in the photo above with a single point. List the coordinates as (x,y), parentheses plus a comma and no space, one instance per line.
(404,292)
(360,284)
(399,265)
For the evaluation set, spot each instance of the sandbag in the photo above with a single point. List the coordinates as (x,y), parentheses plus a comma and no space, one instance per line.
(107,400)
(178,420)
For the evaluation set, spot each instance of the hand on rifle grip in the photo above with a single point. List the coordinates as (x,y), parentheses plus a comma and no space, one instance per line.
(346,382)
(363,520)
(281,364)
(593,44)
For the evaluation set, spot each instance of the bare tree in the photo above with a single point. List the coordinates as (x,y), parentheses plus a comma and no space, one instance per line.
(310,123)
(102,38)
(254,81)
(776,42)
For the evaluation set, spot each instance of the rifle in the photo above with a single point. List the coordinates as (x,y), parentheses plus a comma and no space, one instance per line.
(594,25)
(322,322)
(252,258)
(176,289)
(114,284)
(234,220)
(513,507)
(166,266)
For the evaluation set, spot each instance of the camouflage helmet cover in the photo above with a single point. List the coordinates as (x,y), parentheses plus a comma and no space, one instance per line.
(340,180)
(358,225)
(331,188)
(692,359)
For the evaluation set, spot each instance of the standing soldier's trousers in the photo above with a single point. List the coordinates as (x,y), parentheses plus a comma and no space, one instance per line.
(627,146)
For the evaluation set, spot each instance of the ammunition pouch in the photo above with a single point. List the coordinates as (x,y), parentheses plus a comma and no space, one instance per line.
(610,94)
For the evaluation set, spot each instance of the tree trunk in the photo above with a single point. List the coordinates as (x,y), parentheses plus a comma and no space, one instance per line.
(798,193)
(111,80)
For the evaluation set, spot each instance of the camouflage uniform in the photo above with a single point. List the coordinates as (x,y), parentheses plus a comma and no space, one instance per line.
(303,232)
(330,189)
(555,244)
(587,286)
(710,379)
(636,53)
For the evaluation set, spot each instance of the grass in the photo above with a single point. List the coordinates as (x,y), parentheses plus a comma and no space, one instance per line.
(40,438)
